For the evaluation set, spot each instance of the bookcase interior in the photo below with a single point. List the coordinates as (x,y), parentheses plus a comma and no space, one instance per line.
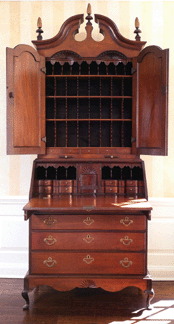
(88,104)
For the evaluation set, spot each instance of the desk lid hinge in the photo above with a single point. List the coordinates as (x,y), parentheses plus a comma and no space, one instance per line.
(43,70)
(133,139)
(44,139)
(133,70)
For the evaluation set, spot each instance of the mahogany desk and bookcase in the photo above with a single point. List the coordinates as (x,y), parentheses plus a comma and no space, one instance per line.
(88,110)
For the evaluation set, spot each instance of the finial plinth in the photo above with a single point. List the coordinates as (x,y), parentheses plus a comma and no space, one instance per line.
(39,30)
(137,31)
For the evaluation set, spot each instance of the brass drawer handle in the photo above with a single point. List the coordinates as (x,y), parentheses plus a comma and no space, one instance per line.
(50,240)
(88,221)
(88,259)
(88,239)
(50,221)
(126,221)
(126,263)
(126,240)
(50,262)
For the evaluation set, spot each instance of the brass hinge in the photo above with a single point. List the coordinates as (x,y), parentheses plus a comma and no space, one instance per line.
(133,139)
(43,70)
(133,70)
(164,90)
(44,139)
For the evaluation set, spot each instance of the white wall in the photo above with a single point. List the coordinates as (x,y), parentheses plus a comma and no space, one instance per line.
(14,238)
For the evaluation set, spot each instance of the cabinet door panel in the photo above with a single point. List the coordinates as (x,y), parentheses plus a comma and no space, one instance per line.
(25,101)
(151,101)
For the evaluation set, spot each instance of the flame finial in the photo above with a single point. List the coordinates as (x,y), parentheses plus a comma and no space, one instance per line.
(89,27)
(39,30)
(89,11)
(137,30)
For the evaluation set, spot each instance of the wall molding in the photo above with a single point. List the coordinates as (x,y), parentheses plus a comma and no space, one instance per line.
(14,238)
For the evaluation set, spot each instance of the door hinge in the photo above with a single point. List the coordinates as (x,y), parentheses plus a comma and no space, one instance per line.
(133,70)
(44,139)
(164,90)
(43,70)
(133,139)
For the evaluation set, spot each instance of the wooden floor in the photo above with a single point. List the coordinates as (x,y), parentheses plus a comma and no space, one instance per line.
(88,306)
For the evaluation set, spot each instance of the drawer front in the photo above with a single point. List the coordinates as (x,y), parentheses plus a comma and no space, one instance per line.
(88,241)
(46,189)
(110,222)
(92,222)
(65,183)
(44,182)
(131,183)
(132,190)
(111,183)
(111,189)
(65,190)
(87,263)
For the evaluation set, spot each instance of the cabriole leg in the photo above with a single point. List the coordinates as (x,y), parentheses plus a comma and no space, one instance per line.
(25,296)
(150,294)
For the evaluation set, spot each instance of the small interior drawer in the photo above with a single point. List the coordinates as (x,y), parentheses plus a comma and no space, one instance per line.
(111,189)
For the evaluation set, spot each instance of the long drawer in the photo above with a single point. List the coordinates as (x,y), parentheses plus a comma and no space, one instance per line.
(92,222)
(87,263)
(88,241)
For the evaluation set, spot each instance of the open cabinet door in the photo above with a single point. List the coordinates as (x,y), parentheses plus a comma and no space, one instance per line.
(150,106)
(25,101)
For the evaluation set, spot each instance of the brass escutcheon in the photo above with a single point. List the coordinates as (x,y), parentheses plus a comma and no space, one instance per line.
(88,259)
(126,240)
(126,221)
(88,239)
(50,221)
(88,221)
(50,262)
(50,240)
(126,263)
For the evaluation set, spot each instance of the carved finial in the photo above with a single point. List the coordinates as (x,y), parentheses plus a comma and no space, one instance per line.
(89,9)
(39,30)
(137,30)
(89,27)
(39,22)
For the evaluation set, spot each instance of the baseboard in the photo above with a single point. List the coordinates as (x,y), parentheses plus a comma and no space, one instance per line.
(14,238)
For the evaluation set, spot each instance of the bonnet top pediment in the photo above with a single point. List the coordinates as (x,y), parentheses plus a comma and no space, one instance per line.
(89,47)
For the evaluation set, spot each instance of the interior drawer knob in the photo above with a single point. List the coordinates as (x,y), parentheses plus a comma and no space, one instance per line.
(49,262)
(88,259)
(126,221)
(50,240)
(126,240)
(126,263)
(88,239)
(88,221)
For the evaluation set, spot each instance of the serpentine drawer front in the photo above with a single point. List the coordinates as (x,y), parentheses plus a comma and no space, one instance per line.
(123,241)
(87,263)
(86,222)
